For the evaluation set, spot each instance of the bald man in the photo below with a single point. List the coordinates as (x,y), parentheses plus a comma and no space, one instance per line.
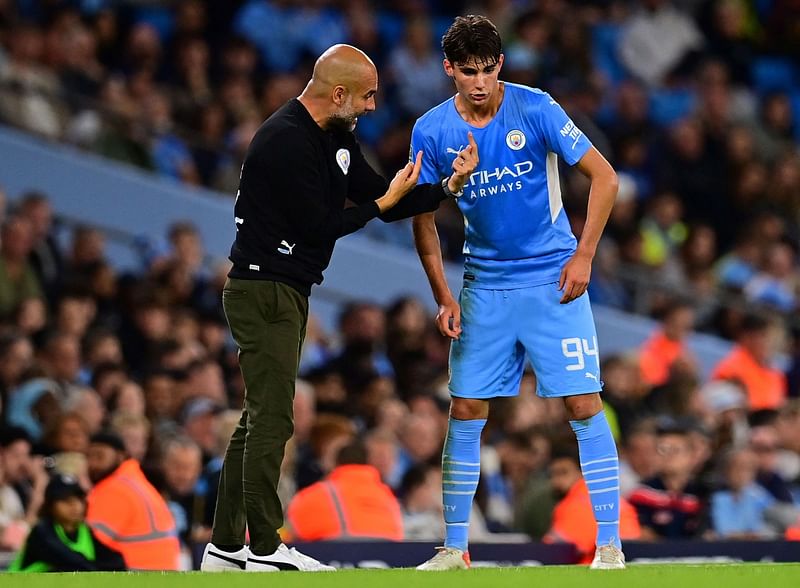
(301,166)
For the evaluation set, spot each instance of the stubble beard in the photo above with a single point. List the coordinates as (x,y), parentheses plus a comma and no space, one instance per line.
(346,119)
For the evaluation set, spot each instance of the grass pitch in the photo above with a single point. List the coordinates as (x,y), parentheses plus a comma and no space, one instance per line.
(636,576)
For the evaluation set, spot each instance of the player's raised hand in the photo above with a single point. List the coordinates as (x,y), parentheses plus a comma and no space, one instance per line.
(448,319)
(467,159)
(575,277)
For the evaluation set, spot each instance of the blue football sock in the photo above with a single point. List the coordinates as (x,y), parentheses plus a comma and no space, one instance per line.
(461,470)
(600,467)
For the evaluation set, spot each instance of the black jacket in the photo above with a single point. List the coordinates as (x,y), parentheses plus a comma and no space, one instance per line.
(44,546)
(290,208)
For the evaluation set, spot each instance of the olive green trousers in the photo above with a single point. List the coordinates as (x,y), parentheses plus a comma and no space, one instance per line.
(268,322)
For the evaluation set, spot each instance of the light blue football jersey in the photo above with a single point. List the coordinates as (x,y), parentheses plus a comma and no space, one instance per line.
(516,231)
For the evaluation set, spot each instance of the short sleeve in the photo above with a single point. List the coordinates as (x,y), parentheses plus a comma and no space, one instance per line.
(561,135)
(421,141)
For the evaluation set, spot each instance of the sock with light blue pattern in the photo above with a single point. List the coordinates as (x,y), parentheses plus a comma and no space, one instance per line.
(600,467)
(461,470)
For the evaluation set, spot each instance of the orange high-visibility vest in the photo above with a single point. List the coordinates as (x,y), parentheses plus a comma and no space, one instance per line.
(351,502)
(573,521)
(765,387)
(656,357)
(793,532)
(129,515)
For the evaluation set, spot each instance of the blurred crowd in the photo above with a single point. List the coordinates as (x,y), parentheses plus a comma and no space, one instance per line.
(122,380)
(101,374)
(693,101)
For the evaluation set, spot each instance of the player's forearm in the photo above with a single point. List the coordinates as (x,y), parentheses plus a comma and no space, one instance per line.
(601,200)
(426,240)
(434,269)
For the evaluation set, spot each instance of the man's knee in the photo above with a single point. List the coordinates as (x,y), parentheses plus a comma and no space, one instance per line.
(269,433)
(583,406)
(467,409)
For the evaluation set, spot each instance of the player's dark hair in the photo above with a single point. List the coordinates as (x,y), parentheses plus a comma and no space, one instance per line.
(472,36)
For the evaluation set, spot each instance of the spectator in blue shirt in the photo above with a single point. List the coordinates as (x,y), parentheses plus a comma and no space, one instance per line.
(738,511)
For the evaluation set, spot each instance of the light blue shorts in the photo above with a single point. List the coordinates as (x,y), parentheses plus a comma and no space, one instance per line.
(499,328)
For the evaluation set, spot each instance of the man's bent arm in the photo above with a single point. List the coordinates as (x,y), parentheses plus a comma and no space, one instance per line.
(367,184)
(602,194)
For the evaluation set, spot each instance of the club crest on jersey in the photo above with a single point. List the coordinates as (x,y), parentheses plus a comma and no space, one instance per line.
(343,159)
(515,140)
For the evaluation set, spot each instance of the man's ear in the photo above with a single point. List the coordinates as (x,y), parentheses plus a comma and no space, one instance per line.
(448,67)
(339,95)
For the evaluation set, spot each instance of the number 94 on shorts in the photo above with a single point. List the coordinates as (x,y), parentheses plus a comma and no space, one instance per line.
(504,329)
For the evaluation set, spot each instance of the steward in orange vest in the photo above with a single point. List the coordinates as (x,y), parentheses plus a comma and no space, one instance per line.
(573,520)
(749,363)
(351,502)
(667,345)
(126,512)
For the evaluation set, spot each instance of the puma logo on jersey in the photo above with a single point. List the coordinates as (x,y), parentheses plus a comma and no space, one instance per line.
(450,150)
(286,249)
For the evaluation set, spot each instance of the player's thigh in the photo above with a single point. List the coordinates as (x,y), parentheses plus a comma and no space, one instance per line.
(485,361)
(561,341)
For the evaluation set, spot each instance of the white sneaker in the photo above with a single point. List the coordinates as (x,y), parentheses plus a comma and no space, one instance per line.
(446,558)
(608,557)
(285,559)
(216,560)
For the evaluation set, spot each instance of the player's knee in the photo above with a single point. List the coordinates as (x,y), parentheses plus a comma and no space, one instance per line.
(583,407)
(466,409)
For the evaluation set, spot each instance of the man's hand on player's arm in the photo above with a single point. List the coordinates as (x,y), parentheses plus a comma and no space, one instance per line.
(463,165)
(402,183)
(575,276)
(426,240)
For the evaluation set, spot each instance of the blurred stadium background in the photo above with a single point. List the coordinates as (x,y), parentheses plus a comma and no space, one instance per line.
(123,124)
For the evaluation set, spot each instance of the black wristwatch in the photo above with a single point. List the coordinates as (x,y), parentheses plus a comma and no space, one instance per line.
(449,192)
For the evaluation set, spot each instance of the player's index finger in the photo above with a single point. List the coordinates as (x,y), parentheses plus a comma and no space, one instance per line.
(573,292)
(569,286)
